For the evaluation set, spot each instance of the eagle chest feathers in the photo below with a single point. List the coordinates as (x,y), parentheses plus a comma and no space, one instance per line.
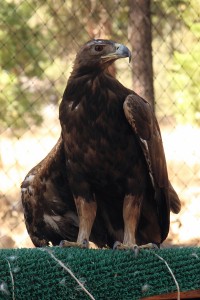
(100,145)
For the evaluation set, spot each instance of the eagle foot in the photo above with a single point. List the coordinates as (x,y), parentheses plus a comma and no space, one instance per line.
(66,244)
(134,247)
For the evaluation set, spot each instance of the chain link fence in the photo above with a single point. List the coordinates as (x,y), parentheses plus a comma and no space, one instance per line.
(38,42)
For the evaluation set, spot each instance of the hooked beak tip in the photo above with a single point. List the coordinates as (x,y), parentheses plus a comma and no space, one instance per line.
(123,51)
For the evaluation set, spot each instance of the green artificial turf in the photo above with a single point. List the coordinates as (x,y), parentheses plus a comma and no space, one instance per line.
(37,274)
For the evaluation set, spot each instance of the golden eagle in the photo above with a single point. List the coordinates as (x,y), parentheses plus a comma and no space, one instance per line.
(106,178)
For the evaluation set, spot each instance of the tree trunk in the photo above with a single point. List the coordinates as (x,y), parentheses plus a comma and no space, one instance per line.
(141,39)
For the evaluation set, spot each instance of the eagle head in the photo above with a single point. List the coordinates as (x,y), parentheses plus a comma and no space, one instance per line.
(99,54)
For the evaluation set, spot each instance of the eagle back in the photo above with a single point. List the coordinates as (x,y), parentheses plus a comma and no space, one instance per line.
(98,139)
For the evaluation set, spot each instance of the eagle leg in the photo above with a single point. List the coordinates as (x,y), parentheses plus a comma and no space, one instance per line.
(131,214)
(86,212)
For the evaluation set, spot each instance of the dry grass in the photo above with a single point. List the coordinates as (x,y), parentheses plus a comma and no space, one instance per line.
(18,156)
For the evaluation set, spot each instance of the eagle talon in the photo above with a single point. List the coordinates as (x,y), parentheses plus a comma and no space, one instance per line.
(150,246)
(134,247)
(85,244)
(117,245)
(136,250)
(120,246)
(66,244)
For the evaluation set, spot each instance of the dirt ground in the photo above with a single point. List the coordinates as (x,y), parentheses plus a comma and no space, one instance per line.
(18,156)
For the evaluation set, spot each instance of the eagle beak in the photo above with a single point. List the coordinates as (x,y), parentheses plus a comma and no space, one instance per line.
(121,51)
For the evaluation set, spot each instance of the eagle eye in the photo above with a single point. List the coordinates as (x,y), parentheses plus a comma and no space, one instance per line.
(98,48)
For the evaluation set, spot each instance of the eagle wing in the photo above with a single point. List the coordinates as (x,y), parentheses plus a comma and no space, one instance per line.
(49,209)
(140,116)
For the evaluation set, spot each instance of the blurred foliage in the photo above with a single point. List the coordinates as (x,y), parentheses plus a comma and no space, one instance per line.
(176,25)
(20,56)
(186,68)
(39,40)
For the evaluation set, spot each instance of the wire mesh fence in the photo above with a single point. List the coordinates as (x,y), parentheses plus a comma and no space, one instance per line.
(38,42)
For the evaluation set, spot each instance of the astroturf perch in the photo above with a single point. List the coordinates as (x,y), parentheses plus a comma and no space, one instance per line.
(43,273)
(106,178)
